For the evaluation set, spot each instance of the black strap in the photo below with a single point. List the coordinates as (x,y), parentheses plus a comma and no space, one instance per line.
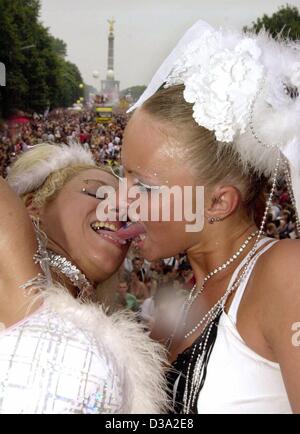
(178,371)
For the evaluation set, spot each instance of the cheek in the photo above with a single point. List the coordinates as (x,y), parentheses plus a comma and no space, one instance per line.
(66,218)
(71,216)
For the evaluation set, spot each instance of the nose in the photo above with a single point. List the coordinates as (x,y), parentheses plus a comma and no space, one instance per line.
(123,199)
(122,202)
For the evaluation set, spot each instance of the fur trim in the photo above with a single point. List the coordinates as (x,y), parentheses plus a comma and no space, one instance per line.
(275,114)
(61,156)
(141,360)
(275,90)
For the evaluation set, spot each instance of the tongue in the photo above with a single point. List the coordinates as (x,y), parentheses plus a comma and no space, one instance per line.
(132,231)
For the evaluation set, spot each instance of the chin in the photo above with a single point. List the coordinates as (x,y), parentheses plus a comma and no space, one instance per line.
(102,271)
(152,254)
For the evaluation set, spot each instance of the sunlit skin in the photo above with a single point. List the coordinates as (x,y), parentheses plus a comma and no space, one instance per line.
(151,155)
(66,220)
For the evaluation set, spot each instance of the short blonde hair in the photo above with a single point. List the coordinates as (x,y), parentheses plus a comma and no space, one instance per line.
(49,189)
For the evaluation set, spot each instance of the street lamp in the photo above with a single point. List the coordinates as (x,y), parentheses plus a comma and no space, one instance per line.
(81,95)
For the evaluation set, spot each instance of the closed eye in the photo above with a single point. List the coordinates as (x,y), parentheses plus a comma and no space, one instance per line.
(90,194)
(92,186)
(146,187)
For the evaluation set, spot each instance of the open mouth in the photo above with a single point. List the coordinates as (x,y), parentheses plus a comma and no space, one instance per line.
(132,231)
(106,226)
(109,231)
(120,235)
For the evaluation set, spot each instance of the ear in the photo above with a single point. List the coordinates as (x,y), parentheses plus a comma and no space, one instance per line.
(224,201)
(31,207)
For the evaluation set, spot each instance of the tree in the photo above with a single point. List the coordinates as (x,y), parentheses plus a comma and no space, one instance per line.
(69,81)
(38,75)
(12,56)
(286,22)
(60,47)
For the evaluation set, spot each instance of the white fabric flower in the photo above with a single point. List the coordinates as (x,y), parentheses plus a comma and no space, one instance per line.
(295,74)
(220,82)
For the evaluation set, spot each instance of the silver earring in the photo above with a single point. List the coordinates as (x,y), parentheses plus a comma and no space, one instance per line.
(212,220)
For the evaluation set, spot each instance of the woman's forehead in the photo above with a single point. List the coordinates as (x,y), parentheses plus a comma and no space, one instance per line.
(150,144)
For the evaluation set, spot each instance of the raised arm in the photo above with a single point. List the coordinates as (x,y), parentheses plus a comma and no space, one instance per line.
(17,247)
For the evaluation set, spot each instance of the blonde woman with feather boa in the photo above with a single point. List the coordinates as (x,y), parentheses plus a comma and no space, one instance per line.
(59,351)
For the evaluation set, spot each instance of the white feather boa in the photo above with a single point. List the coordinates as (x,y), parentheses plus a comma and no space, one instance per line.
(142,359)
(61,156)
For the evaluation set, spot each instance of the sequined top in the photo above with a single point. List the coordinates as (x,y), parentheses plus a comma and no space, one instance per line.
(50,365)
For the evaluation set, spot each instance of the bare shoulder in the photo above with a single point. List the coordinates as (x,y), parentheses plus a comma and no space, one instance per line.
(278,279)
(279,310)
(18,243)
(281,262)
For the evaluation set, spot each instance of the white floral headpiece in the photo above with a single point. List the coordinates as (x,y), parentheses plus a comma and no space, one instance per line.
(221,79)
(61,156)
(245,88)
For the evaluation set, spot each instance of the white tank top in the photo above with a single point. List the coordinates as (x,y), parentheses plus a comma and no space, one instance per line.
(238,379)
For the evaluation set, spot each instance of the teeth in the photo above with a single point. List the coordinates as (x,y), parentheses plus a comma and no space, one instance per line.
(104,225)
(98,225)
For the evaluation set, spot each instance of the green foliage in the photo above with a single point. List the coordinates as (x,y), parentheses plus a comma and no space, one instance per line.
(37,74)
(286,22)
(69,80)
(60,47)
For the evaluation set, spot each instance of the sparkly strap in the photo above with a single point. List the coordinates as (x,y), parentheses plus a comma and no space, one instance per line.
(233,310)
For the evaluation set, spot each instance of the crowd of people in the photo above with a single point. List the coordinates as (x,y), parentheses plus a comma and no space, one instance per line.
(21,132)
(139,280)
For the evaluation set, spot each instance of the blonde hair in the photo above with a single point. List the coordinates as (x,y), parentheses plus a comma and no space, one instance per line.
(212,162)
(54,182)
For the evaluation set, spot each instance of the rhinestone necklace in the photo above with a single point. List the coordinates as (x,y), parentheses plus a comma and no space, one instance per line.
(75,276)
(196,292)
(209,276)
(193,377)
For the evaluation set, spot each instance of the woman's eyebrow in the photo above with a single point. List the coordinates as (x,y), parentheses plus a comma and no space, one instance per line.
(95,180)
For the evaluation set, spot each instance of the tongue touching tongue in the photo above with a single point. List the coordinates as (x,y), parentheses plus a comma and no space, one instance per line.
(132,231)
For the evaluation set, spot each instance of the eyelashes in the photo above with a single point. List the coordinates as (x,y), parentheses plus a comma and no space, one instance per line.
(119,173)
(145,187)
(88,193)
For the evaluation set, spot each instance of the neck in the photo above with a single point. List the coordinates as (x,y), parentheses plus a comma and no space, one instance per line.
(59,278)
(217,245)
(58,249)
